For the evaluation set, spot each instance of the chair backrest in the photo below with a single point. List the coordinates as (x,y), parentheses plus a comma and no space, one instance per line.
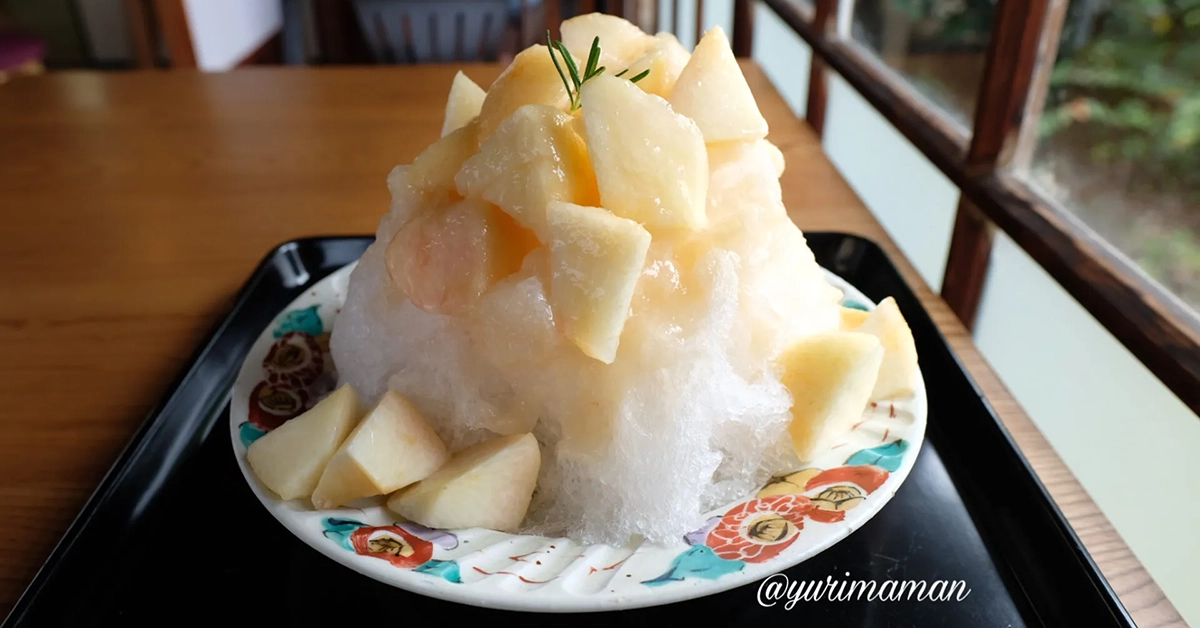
(425,31)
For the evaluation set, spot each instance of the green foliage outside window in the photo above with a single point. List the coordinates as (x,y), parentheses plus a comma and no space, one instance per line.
(1127,85)
(1135,85)
(949,24)
(1120,130)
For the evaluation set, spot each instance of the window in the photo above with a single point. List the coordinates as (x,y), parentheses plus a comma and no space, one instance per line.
(938,45)
(1118,141)
(1111,129)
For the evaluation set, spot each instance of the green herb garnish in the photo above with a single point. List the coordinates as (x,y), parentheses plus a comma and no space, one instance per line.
(571,78)
(637,78)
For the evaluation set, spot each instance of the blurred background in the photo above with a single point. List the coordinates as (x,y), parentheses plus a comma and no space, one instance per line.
(1120,127)
(1113,138)
(218,35)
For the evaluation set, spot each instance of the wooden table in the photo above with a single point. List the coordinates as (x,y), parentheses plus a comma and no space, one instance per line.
(133,206)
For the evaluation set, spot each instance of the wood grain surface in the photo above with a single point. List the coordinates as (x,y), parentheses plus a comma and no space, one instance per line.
(138,203)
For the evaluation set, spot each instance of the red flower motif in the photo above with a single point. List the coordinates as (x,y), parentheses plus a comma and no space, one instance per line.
(845,488)
(759,529)
(393,544)
(271,406)
(869,477)
(294,361)
(827,516)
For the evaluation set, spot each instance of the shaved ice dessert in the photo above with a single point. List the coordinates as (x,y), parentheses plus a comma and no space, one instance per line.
(595,253)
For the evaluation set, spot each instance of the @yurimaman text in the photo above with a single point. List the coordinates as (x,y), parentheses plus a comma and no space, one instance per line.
(781,589)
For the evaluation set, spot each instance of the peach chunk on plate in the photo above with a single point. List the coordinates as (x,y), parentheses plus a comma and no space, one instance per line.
(534,158)
(898,374)
(712,91)
(530,79)
(830,376)
(289,460)
(488,486)
(650,162)
(434,169)
(463,105)
(623,41)
(391,448)
(596,259)
(444,259)
(664,61)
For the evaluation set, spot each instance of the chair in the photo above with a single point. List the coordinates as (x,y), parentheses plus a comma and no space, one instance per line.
(399,31)
(425,31)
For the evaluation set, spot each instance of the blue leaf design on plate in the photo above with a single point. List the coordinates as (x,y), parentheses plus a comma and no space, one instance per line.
(888,457)
(855,305)
(339,530)
(446,569)
(306,320)
(698,562)
(249,432)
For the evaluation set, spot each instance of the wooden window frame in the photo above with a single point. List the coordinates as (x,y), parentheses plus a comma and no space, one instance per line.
(1154,325)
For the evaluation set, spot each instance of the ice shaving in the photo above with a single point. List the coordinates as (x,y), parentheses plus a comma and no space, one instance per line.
(587,312)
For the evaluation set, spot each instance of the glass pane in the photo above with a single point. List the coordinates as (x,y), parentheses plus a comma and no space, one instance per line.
(939,45)
(1119,138)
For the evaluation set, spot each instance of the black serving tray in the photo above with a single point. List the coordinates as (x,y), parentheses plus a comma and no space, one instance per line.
(174,536)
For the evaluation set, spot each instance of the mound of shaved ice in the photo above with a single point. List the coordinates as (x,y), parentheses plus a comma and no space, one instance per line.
(457,312)
(689,416)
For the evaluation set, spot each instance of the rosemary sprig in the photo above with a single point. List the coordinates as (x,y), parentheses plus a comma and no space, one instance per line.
(593,58)
(637,78)
(571,78)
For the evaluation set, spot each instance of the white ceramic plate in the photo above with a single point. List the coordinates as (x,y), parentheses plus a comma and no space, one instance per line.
(793,518)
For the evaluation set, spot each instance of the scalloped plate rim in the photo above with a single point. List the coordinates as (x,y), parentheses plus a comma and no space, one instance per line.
(549,600)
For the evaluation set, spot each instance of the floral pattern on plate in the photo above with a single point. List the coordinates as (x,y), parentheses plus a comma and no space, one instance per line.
(295,374)
(791,518)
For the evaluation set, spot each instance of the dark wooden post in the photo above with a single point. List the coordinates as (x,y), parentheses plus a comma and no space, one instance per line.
(1017,36)
(818,85)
